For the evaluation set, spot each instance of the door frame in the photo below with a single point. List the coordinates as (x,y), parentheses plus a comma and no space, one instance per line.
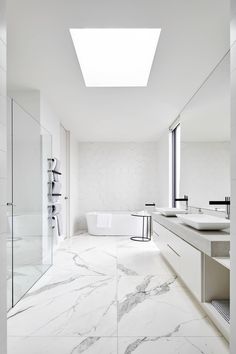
(67,178)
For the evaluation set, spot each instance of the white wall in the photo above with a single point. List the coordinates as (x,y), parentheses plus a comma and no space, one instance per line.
(74,185)
(163,170)
(29,100)
(26,163)
(113,176)
(3,179)
(205,171)
(50,120)
(233,179)
(35,103)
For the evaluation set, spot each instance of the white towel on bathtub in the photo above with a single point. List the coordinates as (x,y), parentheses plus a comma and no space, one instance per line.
(104,220)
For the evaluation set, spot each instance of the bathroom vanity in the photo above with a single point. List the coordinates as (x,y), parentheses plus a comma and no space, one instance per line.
(200,258)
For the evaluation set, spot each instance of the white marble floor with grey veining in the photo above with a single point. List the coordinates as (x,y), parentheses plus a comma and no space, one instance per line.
(110,295)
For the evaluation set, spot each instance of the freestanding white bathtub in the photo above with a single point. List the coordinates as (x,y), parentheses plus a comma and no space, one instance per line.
(26,224)
(122,224)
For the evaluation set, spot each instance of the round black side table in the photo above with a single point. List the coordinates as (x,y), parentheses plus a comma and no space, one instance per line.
(146,236)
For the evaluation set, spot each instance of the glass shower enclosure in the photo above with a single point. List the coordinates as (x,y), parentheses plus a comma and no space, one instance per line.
(30,238)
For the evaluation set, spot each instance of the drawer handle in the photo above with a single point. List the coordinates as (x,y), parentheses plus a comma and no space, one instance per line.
(173,250)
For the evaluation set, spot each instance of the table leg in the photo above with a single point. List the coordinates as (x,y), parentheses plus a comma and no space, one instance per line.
(143,229)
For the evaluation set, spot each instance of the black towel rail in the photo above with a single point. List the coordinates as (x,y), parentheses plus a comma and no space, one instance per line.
(56,172)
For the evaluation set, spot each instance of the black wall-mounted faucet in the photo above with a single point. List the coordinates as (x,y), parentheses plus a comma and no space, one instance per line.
(184,199)
(225,202)
(150,204)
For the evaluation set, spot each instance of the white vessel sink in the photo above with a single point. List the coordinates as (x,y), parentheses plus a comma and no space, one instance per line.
(171,211)
(204,222)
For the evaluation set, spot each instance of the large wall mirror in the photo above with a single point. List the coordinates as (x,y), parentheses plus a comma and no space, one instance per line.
(205,140)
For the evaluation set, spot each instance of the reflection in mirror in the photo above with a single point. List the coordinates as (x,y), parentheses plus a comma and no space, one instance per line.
(205,140)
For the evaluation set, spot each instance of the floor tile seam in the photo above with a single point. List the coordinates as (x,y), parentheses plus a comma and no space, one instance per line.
(169,337)
(95,275)
(120,336)
(51,336)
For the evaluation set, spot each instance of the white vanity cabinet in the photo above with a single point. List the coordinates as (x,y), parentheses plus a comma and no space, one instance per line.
(185,259)
(201,259)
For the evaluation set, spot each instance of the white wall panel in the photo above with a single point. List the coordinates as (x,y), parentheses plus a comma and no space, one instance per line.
(115,176)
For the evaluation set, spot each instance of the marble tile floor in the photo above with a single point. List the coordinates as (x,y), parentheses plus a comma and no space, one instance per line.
(28,267)
(24,278)
(110,295)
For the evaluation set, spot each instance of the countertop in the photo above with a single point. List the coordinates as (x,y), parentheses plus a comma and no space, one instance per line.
(212,243)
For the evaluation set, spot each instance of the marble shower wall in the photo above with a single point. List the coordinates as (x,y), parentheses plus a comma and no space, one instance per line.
(115,176)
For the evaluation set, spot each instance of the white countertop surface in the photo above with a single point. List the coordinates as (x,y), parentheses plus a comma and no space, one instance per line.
(212,243)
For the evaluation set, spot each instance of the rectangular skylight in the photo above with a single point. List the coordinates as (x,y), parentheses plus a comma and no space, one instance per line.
(115,57)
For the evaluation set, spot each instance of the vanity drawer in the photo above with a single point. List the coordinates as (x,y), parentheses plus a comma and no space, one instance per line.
(172,257)
(168,238)
(184,258)
(156,227)
(158,236)
(191,269)
(166,243)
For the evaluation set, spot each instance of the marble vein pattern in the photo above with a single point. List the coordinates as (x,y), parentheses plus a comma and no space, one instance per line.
(110,295)
(68,305)
(168,345)
(62,345)
(157,305)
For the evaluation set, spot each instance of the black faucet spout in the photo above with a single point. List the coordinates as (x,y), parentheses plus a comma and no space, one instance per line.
(184,199)
(225,202)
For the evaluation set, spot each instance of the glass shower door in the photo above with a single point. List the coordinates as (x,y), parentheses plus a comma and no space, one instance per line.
(30,221)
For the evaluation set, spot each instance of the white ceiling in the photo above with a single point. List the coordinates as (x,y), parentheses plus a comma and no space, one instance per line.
(194,37)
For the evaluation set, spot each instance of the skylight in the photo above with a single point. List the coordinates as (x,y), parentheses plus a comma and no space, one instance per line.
(115,57)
